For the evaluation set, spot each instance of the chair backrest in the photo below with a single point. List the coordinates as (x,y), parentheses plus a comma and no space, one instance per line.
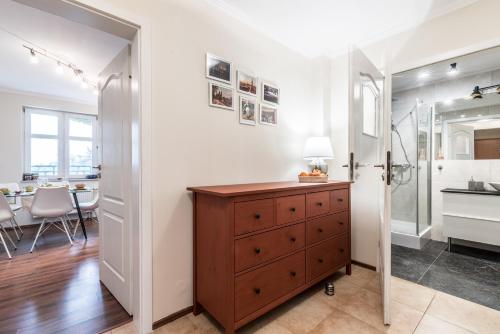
(51,202)
(5,210)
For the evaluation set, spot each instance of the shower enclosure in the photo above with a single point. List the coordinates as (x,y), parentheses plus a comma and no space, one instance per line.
(411,188)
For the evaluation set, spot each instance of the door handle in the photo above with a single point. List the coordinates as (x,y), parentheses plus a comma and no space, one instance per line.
(98,167)
(357,165)
(346,165)
(379,166)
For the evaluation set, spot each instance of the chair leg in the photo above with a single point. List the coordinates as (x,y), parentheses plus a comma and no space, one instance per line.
(17,225)
(37,235)
(8,236)
(5,246)
(66,229)
(75,228)
(14,228)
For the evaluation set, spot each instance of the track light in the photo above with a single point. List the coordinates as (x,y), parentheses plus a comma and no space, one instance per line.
(453,69)
(498,90)
(476,93)
(33,58)
(59,68)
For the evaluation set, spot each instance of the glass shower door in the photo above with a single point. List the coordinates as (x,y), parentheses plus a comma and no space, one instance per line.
(424,113)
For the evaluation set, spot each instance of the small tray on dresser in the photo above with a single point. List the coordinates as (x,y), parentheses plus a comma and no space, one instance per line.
(313,179)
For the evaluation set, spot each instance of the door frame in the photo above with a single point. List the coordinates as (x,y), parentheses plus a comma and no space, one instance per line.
(141,245)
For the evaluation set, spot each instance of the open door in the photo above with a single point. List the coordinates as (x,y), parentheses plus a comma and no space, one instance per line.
(369,170)
(115,184)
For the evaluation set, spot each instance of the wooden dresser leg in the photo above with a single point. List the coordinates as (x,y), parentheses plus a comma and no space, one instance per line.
(229,330)
(348,269)
(197,308)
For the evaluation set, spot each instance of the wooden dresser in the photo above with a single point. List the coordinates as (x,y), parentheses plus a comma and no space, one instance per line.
(258,245)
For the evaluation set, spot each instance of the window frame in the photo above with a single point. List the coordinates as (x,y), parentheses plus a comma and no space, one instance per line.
(63,138)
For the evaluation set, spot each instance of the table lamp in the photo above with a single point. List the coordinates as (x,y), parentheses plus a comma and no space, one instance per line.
(318,149)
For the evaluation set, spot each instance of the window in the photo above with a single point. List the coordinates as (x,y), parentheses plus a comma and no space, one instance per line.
(59,144)
(370,109)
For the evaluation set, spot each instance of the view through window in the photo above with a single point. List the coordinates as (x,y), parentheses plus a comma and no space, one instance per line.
(59,144)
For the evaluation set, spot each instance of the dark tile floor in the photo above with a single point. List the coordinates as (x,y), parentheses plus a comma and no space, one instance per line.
(468,273)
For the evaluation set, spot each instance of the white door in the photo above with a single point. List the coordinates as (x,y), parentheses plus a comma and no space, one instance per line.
(369,155)
(115,184)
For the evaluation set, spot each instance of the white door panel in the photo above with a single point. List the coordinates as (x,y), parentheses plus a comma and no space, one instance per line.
(115,124)
(368,168)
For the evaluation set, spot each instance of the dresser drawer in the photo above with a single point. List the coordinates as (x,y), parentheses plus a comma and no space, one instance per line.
(266,246)
(290,209)
(253,216)
(339,200)
(260,287)
(318,203)
(325,256)
(325,227)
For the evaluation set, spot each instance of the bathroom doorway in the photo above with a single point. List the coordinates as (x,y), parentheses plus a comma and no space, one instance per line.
(445,224)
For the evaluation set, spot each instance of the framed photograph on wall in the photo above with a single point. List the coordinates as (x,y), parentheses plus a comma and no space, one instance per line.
(268,114)
(248,111)
(221,96)
(270,93)
(219,69)
(247,83)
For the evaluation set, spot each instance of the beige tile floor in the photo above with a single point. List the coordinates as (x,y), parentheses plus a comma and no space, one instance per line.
(356,308)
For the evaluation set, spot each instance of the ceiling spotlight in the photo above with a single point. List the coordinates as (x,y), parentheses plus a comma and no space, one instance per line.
(476,93)
(453,69)
(95,91)
(448,102)
(33,58)
(423,75)
(59,68)
(462,116)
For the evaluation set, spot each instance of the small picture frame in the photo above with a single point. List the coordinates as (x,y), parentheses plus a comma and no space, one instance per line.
(268,114)
(221,96)
(247,83)
(270,93)
(219,69)
(248,111)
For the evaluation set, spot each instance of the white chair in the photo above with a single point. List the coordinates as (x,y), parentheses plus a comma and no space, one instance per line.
(90,209)
(13,187)
(51,203)
(6,215)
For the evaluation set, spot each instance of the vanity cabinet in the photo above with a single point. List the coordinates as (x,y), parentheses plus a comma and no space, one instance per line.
(258,245)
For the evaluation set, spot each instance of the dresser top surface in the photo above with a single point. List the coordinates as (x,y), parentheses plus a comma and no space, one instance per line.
(257,188)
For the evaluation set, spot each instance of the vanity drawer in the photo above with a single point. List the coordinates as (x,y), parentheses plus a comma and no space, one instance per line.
(339,200)
(264,285)
(317,203)
(290,209)
(253,250)
(325,227)
(253,216)
(325,256)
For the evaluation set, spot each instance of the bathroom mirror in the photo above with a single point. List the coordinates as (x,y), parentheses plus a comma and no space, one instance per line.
(467,129)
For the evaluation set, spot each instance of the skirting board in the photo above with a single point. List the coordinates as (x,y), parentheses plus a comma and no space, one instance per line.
(172,317)
(364,265)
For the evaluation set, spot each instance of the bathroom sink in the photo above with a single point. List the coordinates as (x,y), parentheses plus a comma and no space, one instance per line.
(495,185)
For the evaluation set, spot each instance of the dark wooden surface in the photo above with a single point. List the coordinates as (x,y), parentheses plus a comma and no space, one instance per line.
(231,222)
(261,188)
(56,289)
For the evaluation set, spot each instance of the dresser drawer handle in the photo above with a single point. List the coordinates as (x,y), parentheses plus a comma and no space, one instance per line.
(293,273)
(292,209)
(319,204)
(341,250)
(320,230)
(257,216)
(257,291)
(341,223)
(292,239)
(320,260)
(340,199)
(257,250)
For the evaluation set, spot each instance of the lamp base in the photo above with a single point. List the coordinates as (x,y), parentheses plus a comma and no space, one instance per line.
(318,164)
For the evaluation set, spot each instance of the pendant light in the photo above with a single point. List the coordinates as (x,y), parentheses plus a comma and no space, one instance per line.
(476,93)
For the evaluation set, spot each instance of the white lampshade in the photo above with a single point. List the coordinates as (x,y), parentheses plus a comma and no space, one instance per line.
(318,148)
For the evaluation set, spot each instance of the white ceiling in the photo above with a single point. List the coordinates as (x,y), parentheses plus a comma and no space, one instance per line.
(474,63)
(327,27)
(90,49)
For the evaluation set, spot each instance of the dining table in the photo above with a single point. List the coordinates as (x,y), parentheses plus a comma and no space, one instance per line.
(72,191)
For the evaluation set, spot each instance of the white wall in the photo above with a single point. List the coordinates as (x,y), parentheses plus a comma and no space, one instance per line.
(12,127)
(194,144)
